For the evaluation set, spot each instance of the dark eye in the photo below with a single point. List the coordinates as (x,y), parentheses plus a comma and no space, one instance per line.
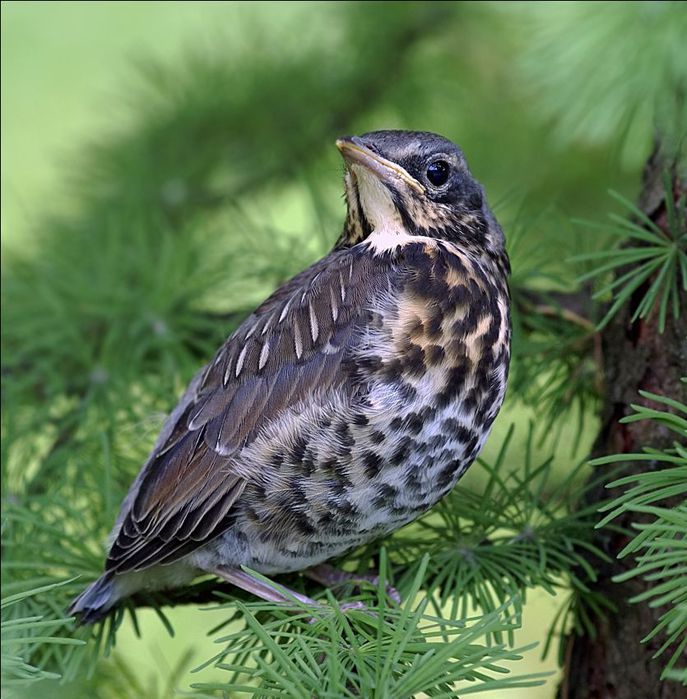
(438,172)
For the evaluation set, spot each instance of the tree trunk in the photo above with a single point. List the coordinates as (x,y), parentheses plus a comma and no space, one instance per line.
(615,664)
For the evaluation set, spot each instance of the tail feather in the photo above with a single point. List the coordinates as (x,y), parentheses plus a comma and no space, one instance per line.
(95,601)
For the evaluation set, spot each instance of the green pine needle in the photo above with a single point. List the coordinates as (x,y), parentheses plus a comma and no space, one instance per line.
(381,651)
(659,544)
(645,257)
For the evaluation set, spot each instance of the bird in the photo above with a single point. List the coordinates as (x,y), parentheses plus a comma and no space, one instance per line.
(345,406)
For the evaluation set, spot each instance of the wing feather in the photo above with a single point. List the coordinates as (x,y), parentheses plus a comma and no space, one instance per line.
(292,348)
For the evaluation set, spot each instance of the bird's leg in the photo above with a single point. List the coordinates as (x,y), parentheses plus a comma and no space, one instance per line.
(331,577)
(270,592)
(273,592)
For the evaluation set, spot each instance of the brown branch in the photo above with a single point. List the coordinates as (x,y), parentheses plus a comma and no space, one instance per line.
(573,307)
(565,314)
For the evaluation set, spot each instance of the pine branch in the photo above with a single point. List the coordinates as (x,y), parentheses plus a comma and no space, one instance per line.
(397,652)
(22,636)
(650,257)
(660,546)
(637,356)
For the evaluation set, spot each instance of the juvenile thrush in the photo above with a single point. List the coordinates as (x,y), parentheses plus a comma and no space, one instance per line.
(347,404)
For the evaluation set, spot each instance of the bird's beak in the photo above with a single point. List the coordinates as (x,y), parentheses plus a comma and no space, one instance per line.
(355,152)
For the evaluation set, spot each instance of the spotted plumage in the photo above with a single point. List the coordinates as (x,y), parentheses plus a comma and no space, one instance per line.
(347,404)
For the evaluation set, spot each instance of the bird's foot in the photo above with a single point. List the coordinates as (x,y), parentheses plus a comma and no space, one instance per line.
(331,577)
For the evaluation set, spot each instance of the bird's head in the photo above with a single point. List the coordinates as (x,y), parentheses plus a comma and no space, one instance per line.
(414,183)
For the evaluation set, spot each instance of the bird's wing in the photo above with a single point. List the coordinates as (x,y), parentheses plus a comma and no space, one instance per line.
(292,346)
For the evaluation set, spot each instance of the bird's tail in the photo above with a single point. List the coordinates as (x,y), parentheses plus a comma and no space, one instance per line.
(95,601)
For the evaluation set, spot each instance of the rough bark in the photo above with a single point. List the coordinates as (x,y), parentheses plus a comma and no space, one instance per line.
(615,664)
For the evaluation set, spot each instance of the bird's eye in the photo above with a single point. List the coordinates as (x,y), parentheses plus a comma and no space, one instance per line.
(438,172)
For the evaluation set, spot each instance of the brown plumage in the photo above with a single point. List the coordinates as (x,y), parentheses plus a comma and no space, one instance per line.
(347,404)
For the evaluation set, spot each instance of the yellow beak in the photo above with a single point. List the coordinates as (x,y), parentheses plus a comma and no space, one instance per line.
(355,152)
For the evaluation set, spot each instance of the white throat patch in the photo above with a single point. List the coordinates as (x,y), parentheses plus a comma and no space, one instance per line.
(381,212)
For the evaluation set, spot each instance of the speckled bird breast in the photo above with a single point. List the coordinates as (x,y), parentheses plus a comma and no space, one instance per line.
(425,377)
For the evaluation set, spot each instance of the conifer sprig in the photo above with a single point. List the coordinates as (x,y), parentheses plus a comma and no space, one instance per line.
(659,546)
(645,258)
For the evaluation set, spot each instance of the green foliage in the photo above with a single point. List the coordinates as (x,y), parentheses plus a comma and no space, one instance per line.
(24,637)
(381,651)
(642,263)
(628,64)
(658,496)
(555,368)
(645,254)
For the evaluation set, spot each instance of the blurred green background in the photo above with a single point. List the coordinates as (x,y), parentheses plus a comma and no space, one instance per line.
(219,119)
